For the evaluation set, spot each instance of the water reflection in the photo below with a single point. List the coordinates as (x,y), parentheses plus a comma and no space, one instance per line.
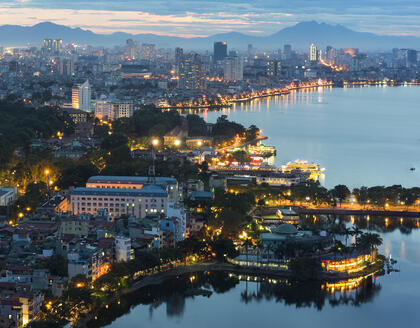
(315,294)
(174,293)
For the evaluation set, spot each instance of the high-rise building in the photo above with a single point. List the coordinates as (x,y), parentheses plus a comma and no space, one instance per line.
(81,96)
(65,67)
(274,68)
(220,51)
(190,72)
(330,54)
(179,53)
(313,53)
(148,51)
(251,50)
(131,49)
(287,51)
(233,68)
(52,46)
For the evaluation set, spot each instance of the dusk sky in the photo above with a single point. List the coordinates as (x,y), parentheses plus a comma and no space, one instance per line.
(206,17)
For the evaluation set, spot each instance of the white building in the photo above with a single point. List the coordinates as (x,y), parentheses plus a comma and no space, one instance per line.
(233,69)
(176,210)
(150,199)
(81,96)
(126,182)
(7,195)
(113,110)
(123,250)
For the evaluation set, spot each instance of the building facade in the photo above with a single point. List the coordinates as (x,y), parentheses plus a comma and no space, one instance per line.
(150,199)
(81,96)
(125,182)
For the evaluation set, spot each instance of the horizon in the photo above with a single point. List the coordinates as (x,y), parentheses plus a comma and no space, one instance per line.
(186,18)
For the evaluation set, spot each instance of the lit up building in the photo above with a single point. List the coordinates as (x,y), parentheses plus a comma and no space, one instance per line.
(190,72)
(150,199)
(273,68)
(52,46)
(313,53)
(312,168)
(81,96)
(348,263)
(112,110)
(123,182)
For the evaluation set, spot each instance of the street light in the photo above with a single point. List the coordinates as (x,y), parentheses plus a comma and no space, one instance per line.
(199,143)
(177,142)
(155,142)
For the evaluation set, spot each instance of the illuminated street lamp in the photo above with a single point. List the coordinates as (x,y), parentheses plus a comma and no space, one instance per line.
(199,143)
(155,142)
(177,142)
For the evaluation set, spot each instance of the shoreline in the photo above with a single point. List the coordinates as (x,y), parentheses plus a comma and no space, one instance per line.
(286,91)
(160,277)
(231,102)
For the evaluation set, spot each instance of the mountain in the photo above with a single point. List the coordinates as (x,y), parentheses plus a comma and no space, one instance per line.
(300,36)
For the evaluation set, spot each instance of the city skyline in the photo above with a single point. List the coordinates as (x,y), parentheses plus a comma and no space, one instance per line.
(191,19)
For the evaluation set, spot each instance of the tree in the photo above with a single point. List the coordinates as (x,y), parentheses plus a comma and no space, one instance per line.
(361,194)
(113,141)
(223,248)
(340,192)
(369,241)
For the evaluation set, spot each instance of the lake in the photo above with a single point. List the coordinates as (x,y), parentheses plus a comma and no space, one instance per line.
(389,300)
(362,136)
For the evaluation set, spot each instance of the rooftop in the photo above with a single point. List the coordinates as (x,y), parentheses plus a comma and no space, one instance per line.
(130,180)
(146,191)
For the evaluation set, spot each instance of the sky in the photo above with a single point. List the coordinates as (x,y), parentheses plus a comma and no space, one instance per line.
(189,18)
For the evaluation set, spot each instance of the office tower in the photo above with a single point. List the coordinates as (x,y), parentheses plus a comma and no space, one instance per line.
(220,51)
(52,46)
(233,68)
(273,68)
(148,51)
(251,50)
(190,72)
(330,54)
(81,96)
(313,53)
(179,53)
(65,67)
(131,49)
(287,51)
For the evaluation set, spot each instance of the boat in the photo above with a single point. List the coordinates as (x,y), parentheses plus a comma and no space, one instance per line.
(304,166)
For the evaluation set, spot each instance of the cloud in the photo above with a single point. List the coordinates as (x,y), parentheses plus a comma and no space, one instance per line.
(396,17)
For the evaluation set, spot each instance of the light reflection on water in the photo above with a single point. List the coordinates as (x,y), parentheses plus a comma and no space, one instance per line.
(386,301)
(362,136)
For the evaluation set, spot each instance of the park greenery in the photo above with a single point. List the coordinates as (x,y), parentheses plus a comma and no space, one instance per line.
(313,193)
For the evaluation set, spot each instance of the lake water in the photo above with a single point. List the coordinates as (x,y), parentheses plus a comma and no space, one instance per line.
(390,300)
(362,136)
(367,136)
